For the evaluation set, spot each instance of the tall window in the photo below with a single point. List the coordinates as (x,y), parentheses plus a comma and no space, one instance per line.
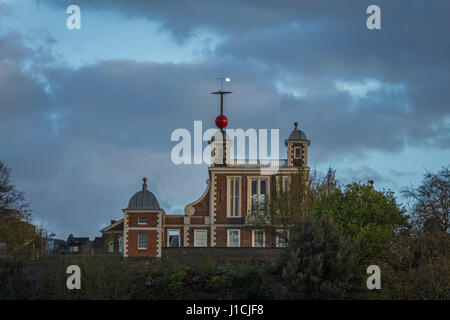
(258,239)
(142,241)
(200,239)
(233,196)
(258,195)
(297,153)
(234,238)
(121,244)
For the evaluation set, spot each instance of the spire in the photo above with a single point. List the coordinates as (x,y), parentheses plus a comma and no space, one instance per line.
(296,125)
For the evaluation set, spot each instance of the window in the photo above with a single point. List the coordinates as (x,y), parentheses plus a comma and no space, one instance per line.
(234,238)
(173,238)
(110,246)
(74,249)
(142,241)
(142,221)
(233,196)
(200,238)
(121,244)
(259,239)
(282,238)
(258,193)
(297,153)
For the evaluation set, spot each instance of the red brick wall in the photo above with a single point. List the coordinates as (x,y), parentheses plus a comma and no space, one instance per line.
(173,219)
(202,207)
(197,220)
(133,243)
(246,237)
(222,237)
(191,235)
(152,219)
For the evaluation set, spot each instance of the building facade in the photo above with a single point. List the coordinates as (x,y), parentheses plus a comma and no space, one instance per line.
(222,216)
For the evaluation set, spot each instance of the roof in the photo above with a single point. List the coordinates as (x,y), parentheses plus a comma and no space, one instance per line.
(297,134)
(115,226)
(143,200)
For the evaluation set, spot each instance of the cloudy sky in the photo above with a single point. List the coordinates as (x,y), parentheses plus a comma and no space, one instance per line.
(85,114)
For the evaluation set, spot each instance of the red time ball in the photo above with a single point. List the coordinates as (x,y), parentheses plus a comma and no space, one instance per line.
(221,121)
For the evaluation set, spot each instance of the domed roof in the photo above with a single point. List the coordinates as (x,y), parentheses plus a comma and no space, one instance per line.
(144,199)
(297,134)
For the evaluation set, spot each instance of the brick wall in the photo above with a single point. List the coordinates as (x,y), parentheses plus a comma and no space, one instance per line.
(202,207)
(133,250)
(133,217)
(194,255)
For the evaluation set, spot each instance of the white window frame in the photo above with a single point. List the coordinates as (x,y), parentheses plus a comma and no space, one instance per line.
(146,240)
(258,191)
(295,152)
(139,220)
(254,239)
(197,231)
(179,237)
(121,244)
(229,238)
(229,196)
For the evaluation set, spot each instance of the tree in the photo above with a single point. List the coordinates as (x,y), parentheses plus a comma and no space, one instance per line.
(323,184)
(431,201)
(20,241)
(320,262)
(286,207)
(12,201)
(372,217)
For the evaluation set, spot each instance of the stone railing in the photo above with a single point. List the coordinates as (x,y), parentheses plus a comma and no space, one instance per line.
(257,163)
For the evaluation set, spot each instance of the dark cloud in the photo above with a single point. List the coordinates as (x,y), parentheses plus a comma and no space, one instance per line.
(363,174)
(80,140)
(316,44)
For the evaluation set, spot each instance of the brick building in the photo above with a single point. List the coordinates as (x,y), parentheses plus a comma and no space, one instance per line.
(222,216)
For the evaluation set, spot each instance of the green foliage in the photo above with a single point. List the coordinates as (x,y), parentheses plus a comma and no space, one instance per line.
(334,234)
(422,266)
(320,262)
(371,217)
(13,280)
(162,280)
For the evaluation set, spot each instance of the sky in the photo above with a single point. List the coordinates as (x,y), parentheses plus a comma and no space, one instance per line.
(85,114)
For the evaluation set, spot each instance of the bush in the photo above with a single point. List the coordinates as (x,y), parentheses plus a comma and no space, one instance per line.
(320,263)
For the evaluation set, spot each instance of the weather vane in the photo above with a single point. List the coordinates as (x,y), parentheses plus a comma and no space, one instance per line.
(221,120)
